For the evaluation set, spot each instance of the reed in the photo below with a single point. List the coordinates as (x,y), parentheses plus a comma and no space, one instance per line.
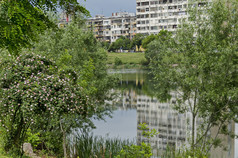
(87,145)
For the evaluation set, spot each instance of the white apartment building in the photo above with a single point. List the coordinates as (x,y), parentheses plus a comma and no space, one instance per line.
(155,15)
(111,28)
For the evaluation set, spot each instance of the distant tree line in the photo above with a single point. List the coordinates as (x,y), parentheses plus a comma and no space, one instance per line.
(135,44)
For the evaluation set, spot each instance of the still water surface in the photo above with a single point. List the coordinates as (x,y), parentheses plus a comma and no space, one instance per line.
(135,104)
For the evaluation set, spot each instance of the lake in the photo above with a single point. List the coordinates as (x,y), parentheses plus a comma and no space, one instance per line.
(136,104)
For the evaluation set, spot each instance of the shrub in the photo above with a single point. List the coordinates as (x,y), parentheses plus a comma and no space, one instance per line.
(144,62)
(33,94)
(143,150)
(118,61)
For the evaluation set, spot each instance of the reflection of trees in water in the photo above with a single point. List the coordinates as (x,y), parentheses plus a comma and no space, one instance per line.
(174,128)
(139,82)
(138,93)
(160,116)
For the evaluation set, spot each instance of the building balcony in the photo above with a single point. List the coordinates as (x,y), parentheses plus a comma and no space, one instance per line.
(98,36)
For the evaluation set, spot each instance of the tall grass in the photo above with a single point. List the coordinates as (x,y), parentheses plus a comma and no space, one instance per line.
(88,146)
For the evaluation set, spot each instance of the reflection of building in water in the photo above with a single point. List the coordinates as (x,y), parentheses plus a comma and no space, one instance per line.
(172,127)
(227,141)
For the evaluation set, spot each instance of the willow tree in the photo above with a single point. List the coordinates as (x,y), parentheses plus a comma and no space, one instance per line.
(200,64)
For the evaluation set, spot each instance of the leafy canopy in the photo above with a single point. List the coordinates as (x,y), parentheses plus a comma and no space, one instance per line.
(75,49)
(121,43)
(22,21)
(148,39)
(199,65)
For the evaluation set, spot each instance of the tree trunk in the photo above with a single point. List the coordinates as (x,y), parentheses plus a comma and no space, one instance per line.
(193,132)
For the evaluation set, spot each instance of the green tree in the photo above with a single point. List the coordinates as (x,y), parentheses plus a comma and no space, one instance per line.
(105,45)
(121,43)
(75,49)
(200,65)
(163,34)
(22,21)
(137,40)
(147,40)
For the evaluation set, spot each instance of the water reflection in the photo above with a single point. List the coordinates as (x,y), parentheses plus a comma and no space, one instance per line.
(172,127)
(135,93)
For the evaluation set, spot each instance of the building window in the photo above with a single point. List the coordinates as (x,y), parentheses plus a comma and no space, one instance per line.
(154,28)
(144,3)
(153,9)
(153,15)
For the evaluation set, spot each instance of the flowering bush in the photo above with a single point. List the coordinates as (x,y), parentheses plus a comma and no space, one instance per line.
(32,89)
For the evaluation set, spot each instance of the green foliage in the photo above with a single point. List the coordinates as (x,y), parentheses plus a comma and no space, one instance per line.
(142,150)
(22,21)
(160,38)
(33,95)
(199,65)
(163,34)
(87,145)
(144,62)
(137,40)
(118,61)
(122,43)
(145,131)
(136,151)
(75,49)
(183,153)
(147,40)
(105,45)
(33,138)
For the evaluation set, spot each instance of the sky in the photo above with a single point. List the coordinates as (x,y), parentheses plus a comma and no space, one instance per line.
(107,7)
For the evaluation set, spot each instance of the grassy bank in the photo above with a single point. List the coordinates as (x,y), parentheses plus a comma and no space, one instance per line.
(128,60)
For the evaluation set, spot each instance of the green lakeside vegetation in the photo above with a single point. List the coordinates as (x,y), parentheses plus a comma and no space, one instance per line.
(54,81)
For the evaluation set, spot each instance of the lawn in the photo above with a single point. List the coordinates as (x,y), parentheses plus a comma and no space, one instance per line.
(126,58)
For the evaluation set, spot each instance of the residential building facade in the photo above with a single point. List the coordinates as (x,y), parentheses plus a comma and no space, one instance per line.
(155,15)
(111,28)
